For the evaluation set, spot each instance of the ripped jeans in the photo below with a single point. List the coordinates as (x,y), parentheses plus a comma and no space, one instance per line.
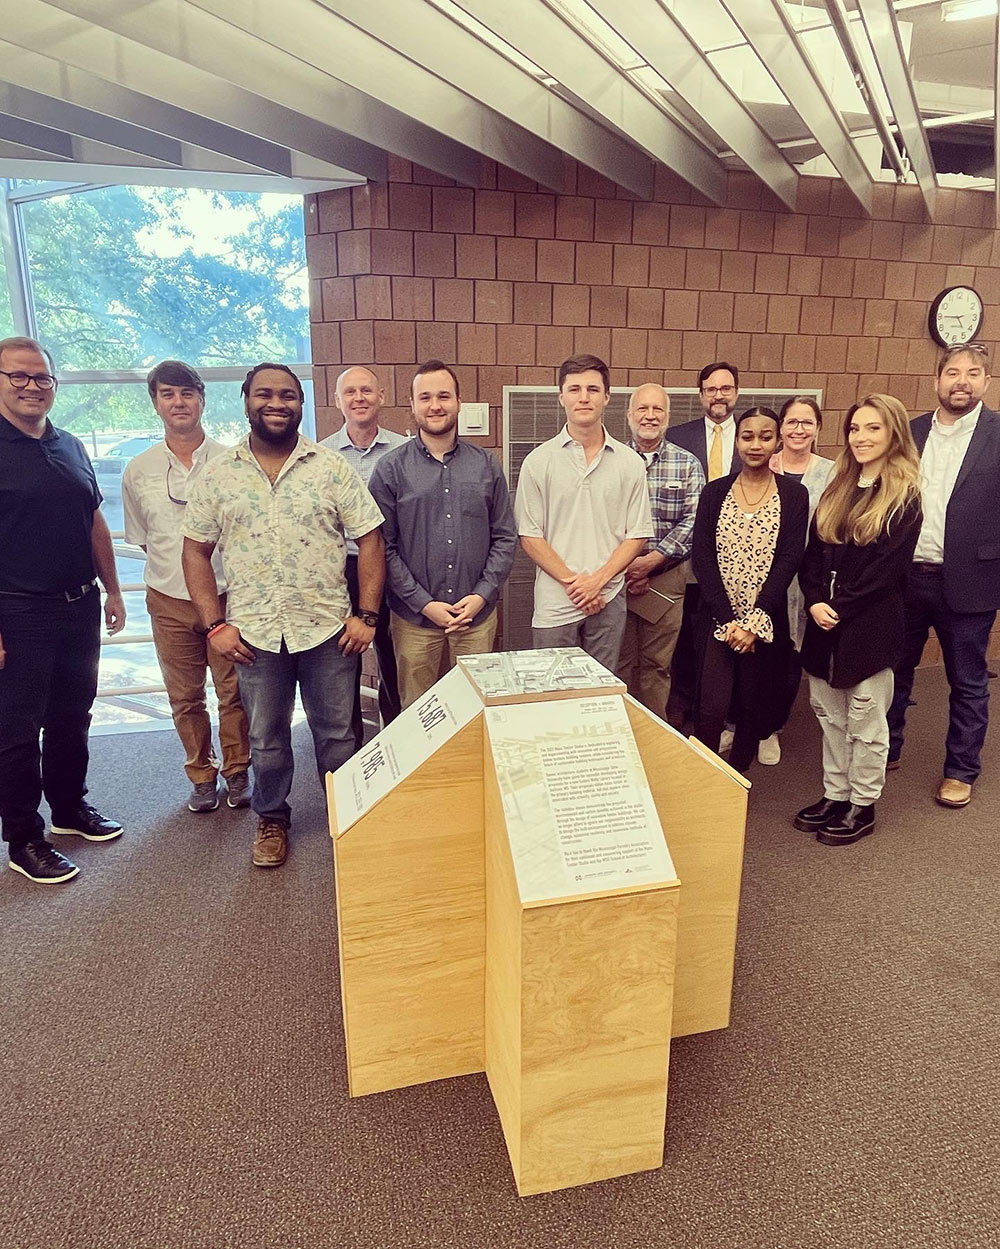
(855,736)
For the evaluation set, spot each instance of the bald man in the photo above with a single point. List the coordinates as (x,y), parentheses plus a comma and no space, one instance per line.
(362,442)
(655,580)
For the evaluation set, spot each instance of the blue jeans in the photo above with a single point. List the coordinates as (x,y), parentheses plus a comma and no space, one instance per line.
(964,637)
(327,678)
(47,689)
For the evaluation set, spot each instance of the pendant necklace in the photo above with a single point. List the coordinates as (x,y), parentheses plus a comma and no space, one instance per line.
(746,498)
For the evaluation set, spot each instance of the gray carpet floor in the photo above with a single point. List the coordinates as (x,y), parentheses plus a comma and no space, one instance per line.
(173,1068)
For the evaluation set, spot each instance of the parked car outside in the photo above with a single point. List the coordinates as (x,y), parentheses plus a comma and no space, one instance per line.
(109,467)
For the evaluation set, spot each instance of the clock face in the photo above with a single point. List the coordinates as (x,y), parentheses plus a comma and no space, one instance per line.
(956,316)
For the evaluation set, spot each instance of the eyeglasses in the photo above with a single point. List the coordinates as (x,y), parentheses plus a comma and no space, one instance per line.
(800,422)
(44,381)
(172,497)
(718,390)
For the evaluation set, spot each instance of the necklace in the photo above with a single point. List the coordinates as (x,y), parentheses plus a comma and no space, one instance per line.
(753,503)
(865,482)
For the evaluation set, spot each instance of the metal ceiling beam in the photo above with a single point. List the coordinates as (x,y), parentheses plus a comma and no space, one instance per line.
(882,28)
(562,52)
(48,77)
(767,28)
(17,162)
(85,124)
(208,62)
(437,52)
(670,50)
(41,138)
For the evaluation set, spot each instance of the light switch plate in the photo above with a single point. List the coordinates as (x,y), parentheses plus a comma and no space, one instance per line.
(474,418)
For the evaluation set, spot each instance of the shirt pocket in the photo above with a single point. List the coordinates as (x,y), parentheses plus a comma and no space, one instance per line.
(473,501)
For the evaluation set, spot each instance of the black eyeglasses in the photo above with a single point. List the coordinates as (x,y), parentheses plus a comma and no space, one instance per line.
(44,381)
(172,497)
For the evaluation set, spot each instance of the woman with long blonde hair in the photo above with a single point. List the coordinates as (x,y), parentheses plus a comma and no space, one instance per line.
(853,575)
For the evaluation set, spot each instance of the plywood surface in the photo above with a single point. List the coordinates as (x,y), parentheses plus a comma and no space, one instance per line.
(411,916)
(703,812)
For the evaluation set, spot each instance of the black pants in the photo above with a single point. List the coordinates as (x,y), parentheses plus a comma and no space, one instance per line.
(735,687)
(684,668)
(388,682)
(47,689)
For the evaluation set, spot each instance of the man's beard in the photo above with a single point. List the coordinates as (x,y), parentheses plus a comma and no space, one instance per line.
(276,438)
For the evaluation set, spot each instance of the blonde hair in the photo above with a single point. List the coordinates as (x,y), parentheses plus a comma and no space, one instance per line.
(840,517)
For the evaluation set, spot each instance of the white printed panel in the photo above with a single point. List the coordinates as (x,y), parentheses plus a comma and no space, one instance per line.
(580,815)
(401,747)
(551,670)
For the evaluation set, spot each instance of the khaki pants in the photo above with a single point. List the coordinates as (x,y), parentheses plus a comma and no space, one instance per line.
(184,654)
(421,652)
(652,626)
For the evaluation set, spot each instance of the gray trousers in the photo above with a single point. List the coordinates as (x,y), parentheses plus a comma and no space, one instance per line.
(600,635)
(855,737)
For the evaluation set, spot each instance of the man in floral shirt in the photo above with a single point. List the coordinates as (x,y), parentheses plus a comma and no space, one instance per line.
(280,509)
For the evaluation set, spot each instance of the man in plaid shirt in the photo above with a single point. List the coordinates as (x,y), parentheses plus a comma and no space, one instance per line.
(655,581)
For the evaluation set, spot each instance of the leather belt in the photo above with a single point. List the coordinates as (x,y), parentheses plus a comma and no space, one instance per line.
(71,596)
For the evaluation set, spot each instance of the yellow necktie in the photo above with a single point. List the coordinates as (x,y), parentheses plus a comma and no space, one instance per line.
(715,455)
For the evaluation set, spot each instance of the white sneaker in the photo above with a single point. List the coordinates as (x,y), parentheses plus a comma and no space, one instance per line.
(726,741)
(769,751)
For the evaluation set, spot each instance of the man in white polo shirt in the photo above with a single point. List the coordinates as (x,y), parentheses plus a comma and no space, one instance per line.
(155,489)
(583,515)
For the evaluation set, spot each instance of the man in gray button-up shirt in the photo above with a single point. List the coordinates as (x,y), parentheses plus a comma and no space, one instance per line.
(449,536)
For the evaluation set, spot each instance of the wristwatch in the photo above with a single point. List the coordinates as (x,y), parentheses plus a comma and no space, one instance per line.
(368,618)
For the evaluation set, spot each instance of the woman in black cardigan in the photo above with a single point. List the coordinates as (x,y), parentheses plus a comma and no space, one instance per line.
(749,533)
(853,576)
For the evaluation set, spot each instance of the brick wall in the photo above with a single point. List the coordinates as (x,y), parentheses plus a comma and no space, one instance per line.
(508,280)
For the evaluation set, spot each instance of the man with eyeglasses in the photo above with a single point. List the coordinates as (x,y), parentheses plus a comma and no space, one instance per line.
(954,584)
(155,489)
(54,543)
(712,441)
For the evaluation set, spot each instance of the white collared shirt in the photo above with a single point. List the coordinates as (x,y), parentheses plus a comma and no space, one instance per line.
(154,520)
(363,459)
(583,511)
(283,545)
(940,464)
(728,427)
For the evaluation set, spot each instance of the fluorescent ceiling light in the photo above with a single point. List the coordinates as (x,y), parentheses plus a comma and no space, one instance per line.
(966,10)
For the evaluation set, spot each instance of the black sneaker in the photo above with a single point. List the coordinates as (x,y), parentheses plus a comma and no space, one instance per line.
(41,863)
(855,823)
(89,823)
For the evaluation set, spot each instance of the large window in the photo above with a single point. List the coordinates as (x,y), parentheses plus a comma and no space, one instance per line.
(113,279)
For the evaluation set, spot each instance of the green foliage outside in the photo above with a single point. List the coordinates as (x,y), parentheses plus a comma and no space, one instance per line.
(125,276)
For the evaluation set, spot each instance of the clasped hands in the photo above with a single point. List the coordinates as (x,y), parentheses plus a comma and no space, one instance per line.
(584,590)
(455,617)
(739,639)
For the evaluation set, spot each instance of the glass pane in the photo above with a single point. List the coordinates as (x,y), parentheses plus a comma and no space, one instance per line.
(210,277)
(6,317)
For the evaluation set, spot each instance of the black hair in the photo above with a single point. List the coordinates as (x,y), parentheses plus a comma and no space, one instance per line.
(436,366)
(709,369)
(584,364)
(282,368)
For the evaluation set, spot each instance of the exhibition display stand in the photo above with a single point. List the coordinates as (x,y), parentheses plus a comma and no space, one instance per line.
(507,902)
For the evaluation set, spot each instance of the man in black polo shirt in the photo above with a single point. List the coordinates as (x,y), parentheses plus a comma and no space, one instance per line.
(53,540)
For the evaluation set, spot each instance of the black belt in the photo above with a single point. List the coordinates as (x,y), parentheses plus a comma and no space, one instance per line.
(931,570)
(71,596)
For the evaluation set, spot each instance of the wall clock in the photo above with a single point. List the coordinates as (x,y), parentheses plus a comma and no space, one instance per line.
(956,316)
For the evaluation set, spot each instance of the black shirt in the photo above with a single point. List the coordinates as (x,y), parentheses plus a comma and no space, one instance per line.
(48,496)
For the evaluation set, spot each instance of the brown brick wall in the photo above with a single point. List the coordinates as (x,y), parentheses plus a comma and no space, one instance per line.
(508,280)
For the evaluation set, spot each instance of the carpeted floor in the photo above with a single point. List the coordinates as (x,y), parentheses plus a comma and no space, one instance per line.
(173,1068)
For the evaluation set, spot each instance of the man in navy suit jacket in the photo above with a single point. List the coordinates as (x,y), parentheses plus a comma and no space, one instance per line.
(955,581)
(718,390)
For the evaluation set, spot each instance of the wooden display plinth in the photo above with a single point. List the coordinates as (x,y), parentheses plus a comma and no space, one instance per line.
(578,998)
(454,960)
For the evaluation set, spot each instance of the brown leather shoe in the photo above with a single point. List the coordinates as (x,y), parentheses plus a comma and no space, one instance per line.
(952,793)
(270,846)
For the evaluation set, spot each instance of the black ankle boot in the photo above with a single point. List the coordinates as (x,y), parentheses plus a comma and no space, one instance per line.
(854,823)
(809,819)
